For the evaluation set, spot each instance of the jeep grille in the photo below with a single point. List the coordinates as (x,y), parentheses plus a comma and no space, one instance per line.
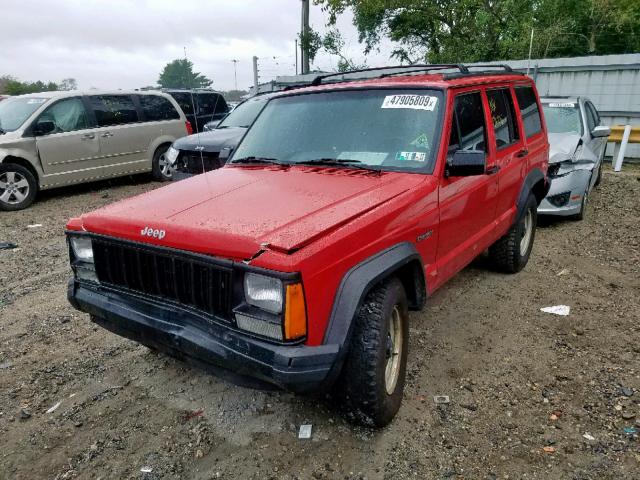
(164,274)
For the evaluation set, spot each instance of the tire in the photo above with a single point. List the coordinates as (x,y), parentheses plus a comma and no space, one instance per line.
(160,170)
(372,380)
(18,187)
(583,208)
(511,253)
(599,177)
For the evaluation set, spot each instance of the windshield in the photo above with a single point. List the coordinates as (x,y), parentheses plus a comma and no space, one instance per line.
(244,114)
(15,111)
(384,129)
(562,117)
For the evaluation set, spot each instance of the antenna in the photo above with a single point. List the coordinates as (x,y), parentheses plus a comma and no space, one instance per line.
(195,119)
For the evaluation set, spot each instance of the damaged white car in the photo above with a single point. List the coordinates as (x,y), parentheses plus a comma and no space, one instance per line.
(577,142)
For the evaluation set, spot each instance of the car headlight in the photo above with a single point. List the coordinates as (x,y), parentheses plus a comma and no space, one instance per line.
(172,155)
(83,264)
(263,292)
(82,248)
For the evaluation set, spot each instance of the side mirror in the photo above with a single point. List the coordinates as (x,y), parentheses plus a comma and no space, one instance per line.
(44,127)
(601,131)
(465,163)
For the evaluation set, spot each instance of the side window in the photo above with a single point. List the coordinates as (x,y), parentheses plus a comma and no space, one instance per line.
(67,115)
(206,103)
(592,116)
(113,109)
(221,104)
(529,109)
(503,117)
(185,102)
(468,130)
(157,108)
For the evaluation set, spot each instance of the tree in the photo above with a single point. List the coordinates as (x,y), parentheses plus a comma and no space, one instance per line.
(484,30)
(179,74)
(234,95)
(11,86)
(68,84)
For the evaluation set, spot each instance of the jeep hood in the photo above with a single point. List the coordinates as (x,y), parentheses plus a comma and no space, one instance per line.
(235,212)
(212,141)
(562,146)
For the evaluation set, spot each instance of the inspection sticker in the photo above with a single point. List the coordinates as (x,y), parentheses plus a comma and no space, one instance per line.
(411,156)
(562,105)
(414,102)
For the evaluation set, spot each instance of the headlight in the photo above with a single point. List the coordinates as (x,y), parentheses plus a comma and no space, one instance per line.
(82,249)
(172,155)
(263,292)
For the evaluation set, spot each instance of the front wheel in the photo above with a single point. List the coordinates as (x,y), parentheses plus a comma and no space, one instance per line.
(372,380)
(511,253)
(18,187)
(161,169)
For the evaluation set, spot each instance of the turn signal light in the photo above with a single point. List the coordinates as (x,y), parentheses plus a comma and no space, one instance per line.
(295,317)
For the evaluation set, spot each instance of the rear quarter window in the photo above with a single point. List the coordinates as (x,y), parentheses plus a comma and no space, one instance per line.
(529,110)
(156,108)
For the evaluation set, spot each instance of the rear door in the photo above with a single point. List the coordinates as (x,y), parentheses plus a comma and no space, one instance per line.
(74,144)
(467,204)
(535,134)
(510,152)
(122,148)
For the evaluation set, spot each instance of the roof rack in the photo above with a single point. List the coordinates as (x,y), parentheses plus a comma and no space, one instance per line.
(462,71)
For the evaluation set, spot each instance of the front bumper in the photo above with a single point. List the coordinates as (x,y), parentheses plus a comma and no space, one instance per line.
(298,368)
(575,183)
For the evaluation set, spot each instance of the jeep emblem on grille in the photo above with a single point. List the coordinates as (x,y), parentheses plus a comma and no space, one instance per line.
(150,232)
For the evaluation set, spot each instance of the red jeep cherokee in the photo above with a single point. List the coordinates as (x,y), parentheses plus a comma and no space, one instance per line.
(345,205)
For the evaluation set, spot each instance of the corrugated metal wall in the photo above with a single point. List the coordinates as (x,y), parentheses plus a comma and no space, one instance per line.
(612,82)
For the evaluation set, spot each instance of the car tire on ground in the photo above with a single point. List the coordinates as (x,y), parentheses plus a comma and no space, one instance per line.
(511,253)
(160,168)
(18,187)
(372,380)
(583,208)
(599,177)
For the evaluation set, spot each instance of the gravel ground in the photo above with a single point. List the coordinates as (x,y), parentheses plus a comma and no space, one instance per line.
(532,395)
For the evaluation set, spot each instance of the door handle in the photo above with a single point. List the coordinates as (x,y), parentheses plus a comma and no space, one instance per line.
(522,153)
(106,134)
(88,136)
(493,170)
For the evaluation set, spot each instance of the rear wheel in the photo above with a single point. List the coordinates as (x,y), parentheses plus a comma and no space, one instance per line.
(511,253)
(18,187)
(161,169)
(372,379)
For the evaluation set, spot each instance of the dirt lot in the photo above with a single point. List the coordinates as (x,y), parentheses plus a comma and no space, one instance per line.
(519,380)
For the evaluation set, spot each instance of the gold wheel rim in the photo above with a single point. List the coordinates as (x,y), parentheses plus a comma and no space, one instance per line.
(393,352)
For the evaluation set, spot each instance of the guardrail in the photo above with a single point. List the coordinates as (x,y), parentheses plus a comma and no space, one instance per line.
(621,135)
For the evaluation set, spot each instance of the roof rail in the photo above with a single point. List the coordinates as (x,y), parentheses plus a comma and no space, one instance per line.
(504,66)
(414,68)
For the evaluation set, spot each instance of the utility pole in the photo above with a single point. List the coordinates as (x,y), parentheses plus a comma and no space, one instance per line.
(296,51)
(305,37)
(235,73)
(255,75)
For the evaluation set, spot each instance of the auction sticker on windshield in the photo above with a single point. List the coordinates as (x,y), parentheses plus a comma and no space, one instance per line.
(414,102)
(562,105)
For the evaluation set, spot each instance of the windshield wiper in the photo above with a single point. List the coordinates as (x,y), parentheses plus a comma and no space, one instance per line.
(257,160)
(349,162)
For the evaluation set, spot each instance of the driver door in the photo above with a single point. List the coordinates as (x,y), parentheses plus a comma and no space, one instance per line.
(73,144)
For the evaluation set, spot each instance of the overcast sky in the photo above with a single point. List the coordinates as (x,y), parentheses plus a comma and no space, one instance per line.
(126,43)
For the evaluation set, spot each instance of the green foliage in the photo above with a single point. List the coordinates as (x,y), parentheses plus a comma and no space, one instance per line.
(485,30)
(11,86)
(179,74)
(311,41)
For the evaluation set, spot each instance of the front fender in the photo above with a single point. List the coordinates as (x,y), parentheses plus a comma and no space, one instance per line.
(353,289)
(534,177)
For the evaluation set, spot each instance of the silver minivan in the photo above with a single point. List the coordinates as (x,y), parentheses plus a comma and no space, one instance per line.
(53,139)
